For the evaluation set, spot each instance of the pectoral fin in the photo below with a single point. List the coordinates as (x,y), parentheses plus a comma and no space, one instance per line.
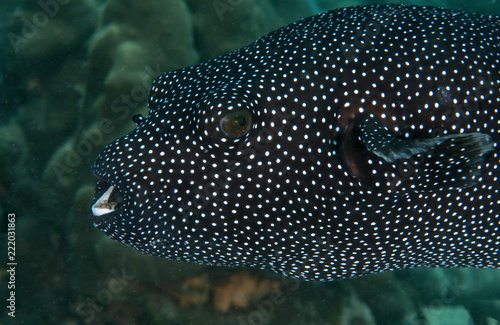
(451,160)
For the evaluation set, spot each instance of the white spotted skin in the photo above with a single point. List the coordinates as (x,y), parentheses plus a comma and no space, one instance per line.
(282,197)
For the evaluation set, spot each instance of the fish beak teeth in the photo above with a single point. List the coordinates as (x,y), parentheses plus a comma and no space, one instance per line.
(103,205)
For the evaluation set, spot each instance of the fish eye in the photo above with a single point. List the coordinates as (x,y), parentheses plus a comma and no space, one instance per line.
(236,124)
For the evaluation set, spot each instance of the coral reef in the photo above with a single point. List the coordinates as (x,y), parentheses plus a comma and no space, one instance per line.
(393,304)
(42,32)
(301,9)
(112,255)
(242,289)
(133,44)
(194,291)
(223,26)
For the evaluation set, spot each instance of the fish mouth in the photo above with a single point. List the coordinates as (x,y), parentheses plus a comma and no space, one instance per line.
(108,202)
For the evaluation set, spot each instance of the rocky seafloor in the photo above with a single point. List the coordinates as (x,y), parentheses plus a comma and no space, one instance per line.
(74,73)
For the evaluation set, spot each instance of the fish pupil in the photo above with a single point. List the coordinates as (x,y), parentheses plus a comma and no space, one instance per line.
(241,121)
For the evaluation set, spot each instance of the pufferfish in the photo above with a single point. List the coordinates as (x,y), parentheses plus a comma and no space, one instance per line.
(357,141)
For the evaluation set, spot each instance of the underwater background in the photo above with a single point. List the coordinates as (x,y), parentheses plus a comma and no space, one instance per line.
(74,72)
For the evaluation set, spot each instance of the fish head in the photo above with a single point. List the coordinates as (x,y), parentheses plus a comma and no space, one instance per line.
(209,161)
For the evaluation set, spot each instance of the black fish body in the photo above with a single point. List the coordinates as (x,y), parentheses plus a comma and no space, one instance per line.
(356,141)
